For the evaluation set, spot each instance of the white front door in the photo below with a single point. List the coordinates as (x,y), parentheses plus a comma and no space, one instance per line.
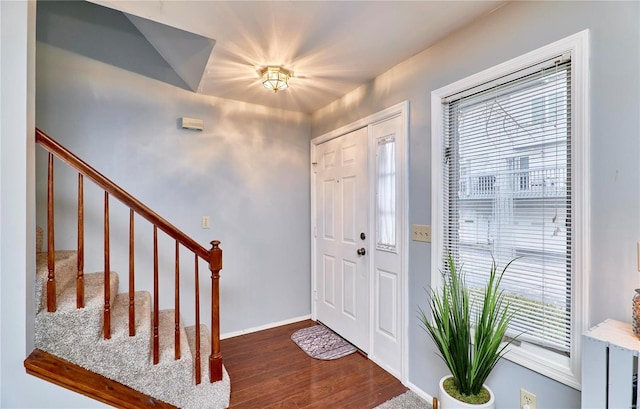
(387,246)
(342,219)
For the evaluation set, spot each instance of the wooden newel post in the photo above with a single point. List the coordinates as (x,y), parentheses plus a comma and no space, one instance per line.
(215,265)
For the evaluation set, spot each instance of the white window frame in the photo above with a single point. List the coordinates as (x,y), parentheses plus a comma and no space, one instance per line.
(553,365)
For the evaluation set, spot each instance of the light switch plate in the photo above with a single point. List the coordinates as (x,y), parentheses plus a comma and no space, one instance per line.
(421,232)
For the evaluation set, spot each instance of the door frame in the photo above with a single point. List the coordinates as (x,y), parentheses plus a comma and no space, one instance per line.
(401,110)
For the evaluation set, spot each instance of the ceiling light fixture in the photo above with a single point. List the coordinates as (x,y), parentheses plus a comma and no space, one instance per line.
(275,78)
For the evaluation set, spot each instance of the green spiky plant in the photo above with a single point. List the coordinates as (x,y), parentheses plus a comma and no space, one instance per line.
(469,351)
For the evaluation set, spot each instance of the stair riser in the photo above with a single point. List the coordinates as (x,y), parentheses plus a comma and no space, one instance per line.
(64,332)
(165,381)
(66,269)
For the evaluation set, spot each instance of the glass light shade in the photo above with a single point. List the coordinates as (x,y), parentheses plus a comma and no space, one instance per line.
(275,78)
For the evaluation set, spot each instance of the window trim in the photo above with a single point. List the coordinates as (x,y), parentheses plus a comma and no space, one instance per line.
(578,46)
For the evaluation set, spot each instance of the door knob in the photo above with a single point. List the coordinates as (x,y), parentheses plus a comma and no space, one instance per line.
(362,252)
(363,236)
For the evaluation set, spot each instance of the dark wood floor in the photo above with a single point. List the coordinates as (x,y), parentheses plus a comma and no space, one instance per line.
(268,370)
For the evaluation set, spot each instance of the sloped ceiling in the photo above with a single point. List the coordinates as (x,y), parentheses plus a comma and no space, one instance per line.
(187,53)
(332,47)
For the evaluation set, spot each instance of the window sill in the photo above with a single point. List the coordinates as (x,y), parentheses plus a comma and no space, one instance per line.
(544,362)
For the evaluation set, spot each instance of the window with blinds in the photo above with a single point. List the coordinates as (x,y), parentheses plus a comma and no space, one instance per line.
(507,180)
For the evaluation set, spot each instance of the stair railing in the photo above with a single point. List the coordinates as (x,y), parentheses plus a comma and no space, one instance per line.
(212,256)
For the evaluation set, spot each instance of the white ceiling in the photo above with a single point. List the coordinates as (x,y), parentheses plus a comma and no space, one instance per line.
(332,47)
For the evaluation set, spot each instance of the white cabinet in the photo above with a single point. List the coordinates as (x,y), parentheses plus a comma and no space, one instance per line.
(610,366)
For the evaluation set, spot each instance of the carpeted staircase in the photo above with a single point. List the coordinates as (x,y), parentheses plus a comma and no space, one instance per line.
(76,335)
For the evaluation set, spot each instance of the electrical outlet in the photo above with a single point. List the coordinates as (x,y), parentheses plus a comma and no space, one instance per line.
(527,400)
(206,222)
(421,232)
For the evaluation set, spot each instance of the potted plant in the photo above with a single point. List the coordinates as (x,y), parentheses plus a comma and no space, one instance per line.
(471,344)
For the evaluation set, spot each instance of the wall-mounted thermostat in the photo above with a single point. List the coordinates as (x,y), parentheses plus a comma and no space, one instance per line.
(192,123)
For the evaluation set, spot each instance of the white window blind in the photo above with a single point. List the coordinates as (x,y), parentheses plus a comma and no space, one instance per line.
(507,194)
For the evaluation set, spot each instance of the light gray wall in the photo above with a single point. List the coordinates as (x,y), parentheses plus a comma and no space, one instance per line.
(248,170)
(508,32)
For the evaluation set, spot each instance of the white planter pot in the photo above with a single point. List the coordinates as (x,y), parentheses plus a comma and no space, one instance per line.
(447,402)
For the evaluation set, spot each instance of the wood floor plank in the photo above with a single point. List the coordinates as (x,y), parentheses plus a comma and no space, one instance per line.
(269,371)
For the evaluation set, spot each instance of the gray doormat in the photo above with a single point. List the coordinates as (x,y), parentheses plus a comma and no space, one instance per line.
(408,400)
(320,342)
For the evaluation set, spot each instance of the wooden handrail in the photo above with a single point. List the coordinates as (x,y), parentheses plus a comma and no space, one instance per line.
(116,191)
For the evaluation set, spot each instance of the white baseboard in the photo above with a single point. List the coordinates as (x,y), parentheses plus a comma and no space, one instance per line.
(263,327)
(424,395)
